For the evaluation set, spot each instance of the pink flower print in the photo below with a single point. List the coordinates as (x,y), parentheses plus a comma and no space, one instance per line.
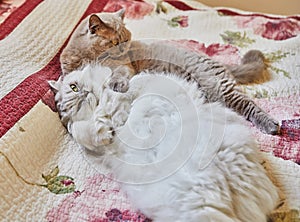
(5,6)
(100,201)
(281,30)
(276,29)
(226,54)
(290,129)
(58,184)
(114,215)
(286,145)
(117,215)
(249,21)
(100,194)
(190,44)
(179,21)
(288,142)
(67,182)
(183,21)
(134,9)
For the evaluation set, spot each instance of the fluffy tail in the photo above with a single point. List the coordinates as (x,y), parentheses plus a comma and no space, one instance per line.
(253,68)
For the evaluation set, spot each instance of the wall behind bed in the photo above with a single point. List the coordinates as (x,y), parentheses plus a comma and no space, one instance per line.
(281,7)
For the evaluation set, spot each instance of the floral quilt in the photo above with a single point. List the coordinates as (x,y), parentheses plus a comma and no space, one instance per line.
(45,175)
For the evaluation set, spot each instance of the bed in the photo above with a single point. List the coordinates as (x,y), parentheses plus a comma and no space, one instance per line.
(44,175)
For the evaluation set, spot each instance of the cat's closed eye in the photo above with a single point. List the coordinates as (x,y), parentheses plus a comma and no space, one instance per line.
(74,87)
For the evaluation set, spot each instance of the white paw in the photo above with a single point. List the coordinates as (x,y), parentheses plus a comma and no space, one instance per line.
(105,136)
(104,130)
(119,84)
(120,118)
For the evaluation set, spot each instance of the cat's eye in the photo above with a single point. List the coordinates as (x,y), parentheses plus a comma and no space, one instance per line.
(114,42)
(74,87)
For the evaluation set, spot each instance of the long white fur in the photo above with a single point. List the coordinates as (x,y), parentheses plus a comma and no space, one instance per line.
(179,159)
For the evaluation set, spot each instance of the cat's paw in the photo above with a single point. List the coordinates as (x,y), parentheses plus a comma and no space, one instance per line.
(271,127)
(105,136)
(119,84)
(104,129)
(120,118)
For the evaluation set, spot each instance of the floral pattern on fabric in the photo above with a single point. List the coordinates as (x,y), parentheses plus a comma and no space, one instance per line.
(117,215)
(7,7)
(179,21)
(224,53)
(55,183)
(99,199)
(134,9)
(85,205)
(275,29)
(59,184)
(237,39)
(275,57)
(91,204)
(286,145)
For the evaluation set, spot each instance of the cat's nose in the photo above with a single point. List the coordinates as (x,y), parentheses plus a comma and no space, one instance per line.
(85,92)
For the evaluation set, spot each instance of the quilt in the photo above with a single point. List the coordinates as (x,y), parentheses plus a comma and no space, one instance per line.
(44,174)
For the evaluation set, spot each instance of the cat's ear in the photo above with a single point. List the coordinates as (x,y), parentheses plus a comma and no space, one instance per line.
(121,13)
(55,85)
(95,23)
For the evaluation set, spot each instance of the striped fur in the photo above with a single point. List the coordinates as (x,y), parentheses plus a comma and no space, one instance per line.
(127,58)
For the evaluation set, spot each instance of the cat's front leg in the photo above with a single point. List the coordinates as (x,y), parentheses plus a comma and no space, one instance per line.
(103,127)
(104,132)
(70,60)
(88,135)
(119,81)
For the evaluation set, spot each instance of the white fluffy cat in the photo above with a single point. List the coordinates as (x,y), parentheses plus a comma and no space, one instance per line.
(177,158)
